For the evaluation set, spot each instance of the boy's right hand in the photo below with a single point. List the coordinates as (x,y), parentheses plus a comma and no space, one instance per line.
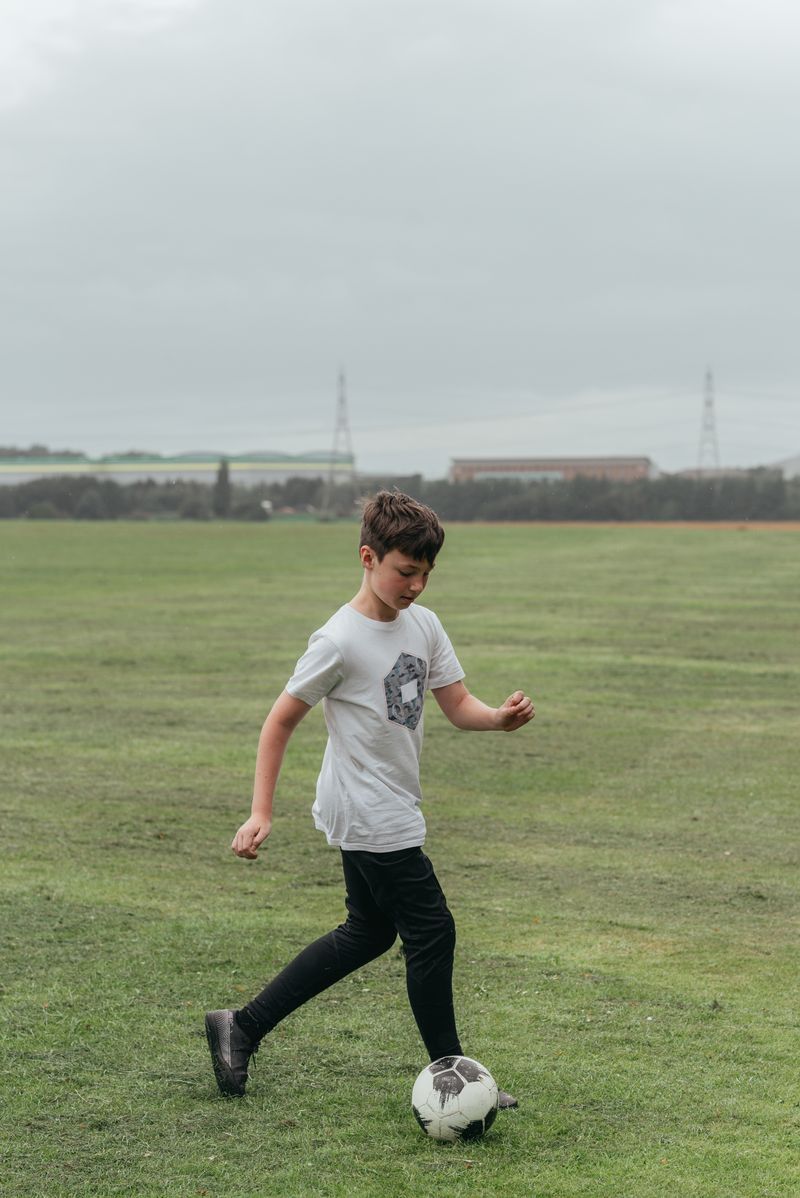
(251,836)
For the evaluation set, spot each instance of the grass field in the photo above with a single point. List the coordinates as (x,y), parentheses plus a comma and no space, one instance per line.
(623,872)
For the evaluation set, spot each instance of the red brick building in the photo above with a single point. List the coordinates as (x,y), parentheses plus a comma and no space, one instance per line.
(533,469)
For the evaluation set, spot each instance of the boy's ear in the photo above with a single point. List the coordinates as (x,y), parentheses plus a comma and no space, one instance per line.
(368,557)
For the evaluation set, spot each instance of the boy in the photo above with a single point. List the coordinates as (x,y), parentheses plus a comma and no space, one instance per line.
(370,665)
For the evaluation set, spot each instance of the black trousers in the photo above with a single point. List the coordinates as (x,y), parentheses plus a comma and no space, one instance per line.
(387,894)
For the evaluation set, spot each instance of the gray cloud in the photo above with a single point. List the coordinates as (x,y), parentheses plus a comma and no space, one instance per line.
(518,224)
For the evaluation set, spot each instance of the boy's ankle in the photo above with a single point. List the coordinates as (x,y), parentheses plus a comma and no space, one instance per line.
(247,1024)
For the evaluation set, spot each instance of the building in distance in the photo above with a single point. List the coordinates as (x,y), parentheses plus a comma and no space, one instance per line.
(245,469)
(620,469)
(789,467)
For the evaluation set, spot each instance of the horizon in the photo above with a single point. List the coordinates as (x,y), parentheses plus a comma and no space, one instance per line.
(214,455)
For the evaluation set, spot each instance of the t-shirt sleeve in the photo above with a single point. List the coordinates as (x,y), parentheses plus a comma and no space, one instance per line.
(317,672)
(445,666)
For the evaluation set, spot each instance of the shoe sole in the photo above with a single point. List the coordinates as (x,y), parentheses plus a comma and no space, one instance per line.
(222,1073)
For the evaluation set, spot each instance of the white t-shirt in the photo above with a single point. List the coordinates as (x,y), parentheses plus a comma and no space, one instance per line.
(372,677)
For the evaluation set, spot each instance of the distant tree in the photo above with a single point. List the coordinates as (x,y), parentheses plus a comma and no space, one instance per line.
(8,502)
(247,506)
(221,499)
(792,508)
(301,493)
(770,495)
(116,499)
(43,510)
(90,506)
(38,451)
(754,495)
(195,507)
(63,491)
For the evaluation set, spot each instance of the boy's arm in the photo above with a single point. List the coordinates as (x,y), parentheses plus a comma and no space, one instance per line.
(467,712)
(286,714)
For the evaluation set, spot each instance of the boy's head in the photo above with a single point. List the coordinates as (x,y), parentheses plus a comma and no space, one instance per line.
(392,520)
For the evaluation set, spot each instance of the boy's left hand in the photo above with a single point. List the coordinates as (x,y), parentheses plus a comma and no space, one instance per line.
(516,711)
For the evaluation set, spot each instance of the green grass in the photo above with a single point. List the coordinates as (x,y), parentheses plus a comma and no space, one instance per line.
(623,873)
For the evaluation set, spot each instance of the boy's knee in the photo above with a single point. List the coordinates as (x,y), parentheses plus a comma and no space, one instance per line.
(434,947)
(378,940)
(449,933)
(386,941)
(377,937)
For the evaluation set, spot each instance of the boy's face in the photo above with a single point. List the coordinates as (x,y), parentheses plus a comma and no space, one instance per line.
(396,581)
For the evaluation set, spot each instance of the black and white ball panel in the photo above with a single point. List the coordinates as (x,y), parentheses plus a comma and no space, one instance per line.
(455,1098)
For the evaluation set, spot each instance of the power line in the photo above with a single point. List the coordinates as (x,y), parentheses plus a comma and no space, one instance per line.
(566,406)
(708,444)
(771,396)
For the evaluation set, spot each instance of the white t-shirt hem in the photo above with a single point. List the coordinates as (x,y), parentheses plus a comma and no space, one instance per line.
(395,847)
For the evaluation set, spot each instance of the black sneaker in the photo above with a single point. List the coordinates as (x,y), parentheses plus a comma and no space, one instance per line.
(506,1102)
(231,1050)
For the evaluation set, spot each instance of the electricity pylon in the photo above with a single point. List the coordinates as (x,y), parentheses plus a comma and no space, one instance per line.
(342,466)
(708,433)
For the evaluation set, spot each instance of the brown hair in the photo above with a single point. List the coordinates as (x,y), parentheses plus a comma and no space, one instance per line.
(392,520)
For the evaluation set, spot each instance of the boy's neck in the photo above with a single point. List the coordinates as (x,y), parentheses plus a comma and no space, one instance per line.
(368,604)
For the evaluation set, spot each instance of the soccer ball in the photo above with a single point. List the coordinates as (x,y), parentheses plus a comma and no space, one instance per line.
(454,1098)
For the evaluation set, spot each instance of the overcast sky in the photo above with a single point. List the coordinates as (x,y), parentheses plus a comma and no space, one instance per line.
(523,226)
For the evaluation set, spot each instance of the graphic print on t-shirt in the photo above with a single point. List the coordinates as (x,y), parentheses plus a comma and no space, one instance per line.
(405,690)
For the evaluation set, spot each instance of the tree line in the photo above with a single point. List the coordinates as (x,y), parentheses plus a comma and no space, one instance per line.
(756,495)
